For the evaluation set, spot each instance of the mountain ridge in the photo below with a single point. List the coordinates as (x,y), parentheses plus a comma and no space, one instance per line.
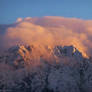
(65,70)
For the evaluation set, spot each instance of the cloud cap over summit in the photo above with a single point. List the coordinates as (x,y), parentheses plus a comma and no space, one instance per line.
(49,31)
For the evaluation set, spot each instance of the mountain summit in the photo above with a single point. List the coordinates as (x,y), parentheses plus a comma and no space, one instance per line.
(21,55)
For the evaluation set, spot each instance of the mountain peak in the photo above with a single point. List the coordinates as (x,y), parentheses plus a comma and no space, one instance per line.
(21,55)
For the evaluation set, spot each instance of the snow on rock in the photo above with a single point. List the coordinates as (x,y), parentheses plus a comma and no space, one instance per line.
(66,70)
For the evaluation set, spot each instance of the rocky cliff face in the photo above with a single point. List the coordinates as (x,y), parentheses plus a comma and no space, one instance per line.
(45,69)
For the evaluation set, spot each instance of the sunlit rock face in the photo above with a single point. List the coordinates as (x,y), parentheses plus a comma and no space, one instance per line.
(20,56)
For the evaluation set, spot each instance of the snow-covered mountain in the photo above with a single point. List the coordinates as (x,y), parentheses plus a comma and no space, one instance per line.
(57,69)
